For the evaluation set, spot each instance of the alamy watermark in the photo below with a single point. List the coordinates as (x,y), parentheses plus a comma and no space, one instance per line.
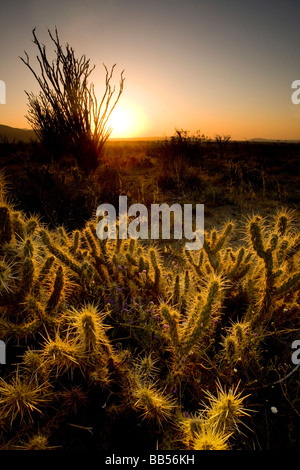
(2,92)
(295,358)
(296,94)
(296,353)
(155,225)
(2,352)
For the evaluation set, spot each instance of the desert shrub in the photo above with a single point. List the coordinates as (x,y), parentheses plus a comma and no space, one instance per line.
(61,193)
(181,177)
(184,146)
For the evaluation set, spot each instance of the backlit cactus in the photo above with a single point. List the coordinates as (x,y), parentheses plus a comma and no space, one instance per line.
(6,229)
(153,403)
(111,330)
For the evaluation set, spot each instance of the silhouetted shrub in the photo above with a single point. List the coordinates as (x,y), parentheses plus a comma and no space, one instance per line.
(66,114)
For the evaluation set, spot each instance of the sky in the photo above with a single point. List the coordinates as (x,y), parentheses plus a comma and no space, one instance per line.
(221,67)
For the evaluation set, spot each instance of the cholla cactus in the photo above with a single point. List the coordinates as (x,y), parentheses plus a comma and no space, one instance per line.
(6,229)
(146,368)
(89,330)
(241,346)
(115,328)
(36,442)
(60,355)
(210,438)
(211,428)
(153,403)
(226,411)
(21,399)
(276,247)
(57,291)
(214,245)
(156,266)
(7,277)
(185,332)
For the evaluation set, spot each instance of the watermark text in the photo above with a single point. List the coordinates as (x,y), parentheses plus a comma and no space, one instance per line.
(153,225)
(296,93)
(2,352)
(2,92)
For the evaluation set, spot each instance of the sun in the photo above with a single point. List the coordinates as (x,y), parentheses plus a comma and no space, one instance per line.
(126,120)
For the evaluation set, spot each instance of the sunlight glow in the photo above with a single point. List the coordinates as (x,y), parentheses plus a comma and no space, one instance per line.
(127,120)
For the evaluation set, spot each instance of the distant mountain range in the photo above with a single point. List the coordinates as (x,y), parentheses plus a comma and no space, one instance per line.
(258,139)
(15,134)
(26,135)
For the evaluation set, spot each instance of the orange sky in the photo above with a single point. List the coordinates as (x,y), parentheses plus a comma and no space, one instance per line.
(219,67)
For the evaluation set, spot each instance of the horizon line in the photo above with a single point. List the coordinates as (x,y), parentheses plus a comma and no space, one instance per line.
(162,137)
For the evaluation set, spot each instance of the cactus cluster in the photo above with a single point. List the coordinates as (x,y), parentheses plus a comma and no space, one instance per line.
(102,330)
(211,427)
